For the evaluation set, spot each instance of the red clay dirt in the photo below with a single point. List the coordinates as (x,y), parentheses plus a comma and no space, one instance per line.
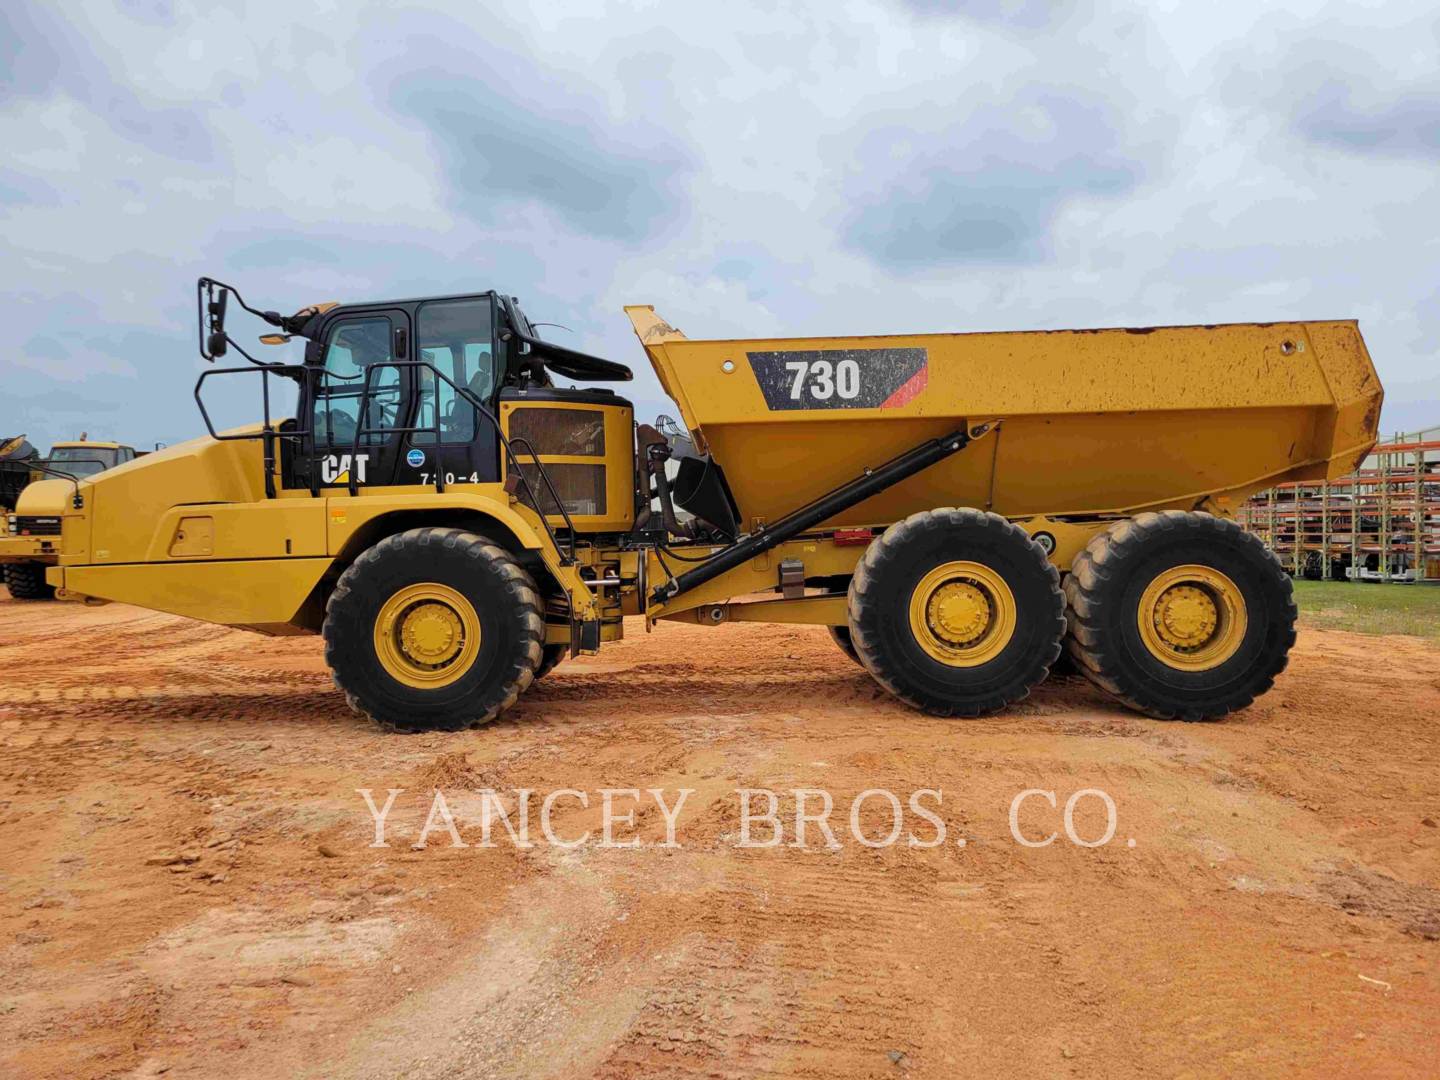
(188,890)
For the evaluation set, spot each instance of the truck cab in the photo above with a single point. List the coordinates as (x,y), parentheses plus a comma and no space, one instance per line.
(83,458)
(433,392)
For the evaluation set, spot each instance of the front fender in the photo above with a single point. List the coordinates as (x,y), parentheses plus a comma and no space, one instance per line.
(351,519)
(356,522)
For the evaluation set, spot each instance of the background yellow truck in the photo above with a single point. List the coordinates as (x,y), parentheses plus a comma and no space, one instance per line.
(30,544)
(955,508)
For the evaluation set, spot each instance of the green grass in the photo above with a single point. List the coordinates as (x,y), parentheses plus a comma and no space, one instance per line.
(1370,608)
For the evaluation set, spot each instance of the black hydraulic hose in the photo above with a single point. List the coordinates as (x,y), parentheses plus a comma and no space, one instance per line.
(667,504)
(827,506)
(687,558)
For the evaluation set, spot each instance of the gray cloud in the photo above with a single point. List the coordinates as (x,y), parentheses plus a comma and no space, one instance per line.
(1405,125)
(1362,94)
(1412,406)
(618,179)
(45,347)
(986,189)
(1021,14)
(60,401)
(280,249)
(41,54)
(29,63)
(17,188)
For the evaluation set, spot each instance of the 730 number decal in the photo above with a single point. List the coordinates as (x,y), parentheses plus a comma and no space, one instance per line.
(825,379)
(839,378)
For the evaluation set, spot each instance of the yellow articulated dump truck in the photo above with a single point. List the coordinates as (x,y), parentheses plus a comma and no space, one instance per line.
(30,544)
(955,508)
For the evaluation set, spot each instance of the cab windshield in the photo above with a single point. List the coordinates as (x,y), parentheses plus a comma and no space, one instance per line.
(81,461)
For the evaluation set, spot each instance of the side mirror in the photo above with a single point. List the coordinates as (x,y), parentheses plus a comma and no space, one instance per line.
(214,298)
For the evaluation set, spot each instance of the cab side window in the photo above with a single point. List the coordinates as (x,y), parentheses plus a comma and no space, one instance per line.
(354,345)
(457,336)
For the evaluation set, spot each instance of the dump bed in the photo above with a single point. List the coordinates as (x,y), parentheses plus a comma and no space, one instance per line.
(1091,421)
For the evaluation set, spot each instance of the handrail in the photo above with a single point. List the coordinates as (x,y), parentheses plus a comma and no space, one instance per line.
(268,431)
(265,372)
(549,484)
(479,408)
(61,474)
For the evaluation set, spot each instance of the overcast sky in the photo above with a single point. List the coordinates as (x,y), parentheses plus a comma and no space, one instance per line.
(864,166)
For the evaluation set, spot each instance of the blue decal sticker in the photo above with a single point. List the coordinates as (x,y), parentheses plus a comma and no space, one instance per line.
(415,458)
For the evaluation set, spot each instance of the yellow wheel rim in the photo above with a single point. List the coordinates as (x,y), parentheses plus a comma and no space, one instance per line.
(962,614)
(1192,617)
(427,635)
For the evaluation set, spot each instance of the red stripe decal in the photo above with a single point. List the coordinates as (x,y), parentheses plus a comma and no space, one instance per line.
(909,389)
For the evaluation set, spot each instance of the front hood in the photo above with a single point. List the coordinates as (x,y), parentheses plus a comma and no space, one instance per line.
(48,498)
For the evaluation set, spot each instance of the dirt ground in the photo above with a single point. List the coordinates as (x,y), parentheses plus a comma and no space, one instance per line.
(188,887)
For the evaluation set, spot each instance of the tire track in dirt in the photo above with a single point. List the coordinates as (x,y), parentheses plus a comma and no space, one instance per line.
(808,991)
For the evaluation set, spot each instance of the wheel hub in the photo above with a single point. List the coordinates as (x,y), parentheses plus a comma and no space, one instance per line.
(1186,616)
(959,612)
(1192,617)
(427,635)
(962,613)
(431,633)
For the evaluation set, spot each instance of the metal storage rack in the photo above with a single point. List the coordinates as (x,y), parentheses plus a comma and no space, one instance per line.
(1380,523)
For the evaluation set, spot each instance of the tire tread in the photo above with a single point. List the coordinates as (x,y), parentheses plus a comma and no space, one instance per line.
(1094,585)
(518,593)
(866,592)
(26,581)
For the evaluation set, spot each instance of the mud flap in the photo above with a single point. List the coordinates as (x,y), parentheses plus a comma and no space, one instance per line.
(585,637)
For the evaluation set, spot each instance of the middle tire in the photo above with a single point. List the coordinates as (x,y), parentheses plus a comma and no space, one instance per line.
(956,612)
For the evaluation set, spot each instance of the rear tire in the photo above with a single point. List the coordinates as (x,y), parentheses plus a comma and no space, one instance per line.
(26,581)
(841,636)
(1180,615)
(434,629)
(956,612)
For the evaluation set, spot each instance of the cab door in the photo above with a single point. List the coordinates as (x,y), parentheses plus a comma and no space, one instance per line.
(452,440)
(356,404)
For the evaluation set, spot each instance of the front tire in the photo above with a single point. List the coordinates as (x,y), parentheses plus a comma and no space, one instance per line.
(956,612)
(1180,615)
(434,629)
(26,581)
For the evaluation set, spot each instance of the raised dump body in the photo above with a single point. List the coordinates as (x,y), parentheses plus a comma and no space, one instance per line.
(1092,422)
